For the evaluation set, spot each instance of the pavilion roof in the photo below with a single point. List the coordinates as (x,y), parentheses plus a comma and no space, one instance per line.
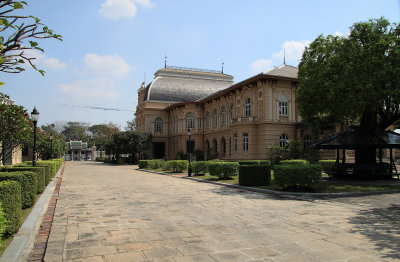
(354,140)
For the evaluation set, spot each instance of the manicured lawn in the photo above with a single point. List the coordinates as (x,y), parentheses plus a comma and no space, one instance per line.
(324,187)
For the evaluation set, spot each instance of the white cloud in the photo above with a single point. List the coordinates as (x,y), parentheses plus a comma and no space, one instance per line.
(114,9)
(111,65)
(54,63)
(261,65)
(293,51)
(99,89)
(145,3)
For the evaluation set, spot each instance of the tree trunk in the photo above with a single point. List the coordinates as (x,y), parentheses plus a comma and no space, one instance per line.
(368,125)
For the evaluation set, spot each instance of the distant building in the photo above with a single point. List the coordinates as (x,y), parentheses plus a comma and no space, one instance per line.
(10,156)
(228,121)
(78,151)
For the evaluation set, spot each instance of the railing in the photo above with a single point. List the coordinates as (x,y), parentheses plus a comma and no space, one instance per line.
(194,69)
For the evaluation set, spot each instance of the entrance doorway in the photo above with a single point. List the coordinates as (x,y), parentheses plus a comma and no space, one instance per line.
(158,150)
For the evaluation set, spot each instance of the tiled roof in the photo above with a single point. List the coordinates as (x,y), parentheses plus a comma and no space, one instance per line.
(180,85)
(283,71)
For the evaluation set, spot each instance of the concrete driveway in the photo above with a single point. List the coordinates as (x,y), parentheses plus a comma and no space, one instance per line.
(117,213)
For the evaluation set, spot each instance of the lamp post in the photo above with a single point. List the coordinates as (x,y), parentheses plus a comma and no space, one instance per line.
(51,146)
(190,152)
(35,119)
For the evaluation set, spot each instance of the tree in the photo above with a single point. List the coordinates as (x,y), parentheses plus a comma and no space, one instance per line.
(353,80)
(46,148)
(131,125)
(15,129)
(18,34)
(133,143)
(101,134)
(76,131)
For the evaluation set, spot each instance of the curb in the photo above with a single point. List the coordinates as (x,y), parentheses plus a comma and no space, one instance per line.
(22,243)
(284,193)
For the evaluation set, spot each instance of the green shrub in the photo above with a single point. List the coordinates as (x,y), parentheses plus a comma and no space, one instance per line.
(223,170)
(176,165)
(156,163)
(200,167)
(294,162)
(39,171)
(143,164)
(28,183)
(328,166)
(3,223)
(297,175)
(248,162)
(121,161)
(254,175)
(200,155)
(10,197)
(48,170)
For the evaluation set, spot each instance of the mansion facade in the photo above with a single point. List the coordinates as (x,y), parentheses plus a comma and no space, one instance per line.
(229,121)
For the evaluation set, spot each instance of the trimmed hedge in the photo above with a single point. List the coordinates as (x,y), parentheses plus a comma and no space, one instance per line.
(3,224)
(254,175)
(223,170)
(155,163)
(39,170)
(28,183)
(10,197)
(254,162)
(294,162)
(297,175)
(328,166)
(176,165)
(200,167)
(143,164)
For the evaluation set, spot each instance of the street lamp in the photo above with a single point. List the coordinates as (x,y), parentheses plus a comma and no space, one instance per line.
(51,146)
(190,152)
(35,119)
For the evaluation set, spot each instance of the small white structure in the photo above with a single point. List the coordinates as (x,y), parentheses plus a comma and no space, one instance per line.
(78,151)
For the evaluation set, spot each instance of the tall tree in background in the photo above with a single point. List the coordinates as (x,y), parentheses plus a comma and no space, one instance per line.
(76,131)
(19,33)
(101,134)
(131,125)
(354,80)
(48,148)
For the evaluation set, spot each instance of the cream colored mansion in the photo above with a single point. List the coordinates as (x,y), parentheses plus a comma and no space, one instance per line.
(233,121)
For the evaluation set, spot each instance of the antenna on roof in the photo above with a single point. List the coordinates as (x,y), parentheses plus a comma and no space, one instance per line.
(284,56)
(222,66)
(165,60)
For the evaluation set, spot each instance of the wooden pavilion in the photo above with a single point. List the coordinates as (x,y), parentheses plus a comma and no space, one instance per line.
(364,141)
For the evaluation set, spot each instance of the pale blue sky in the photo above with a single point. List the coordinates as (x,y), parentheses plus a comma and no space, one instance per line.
(110,45)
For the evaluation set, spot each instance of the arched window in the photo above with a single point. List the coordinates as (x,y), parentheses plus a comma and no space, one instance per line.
(158,125)
(231,111)
(223,145)
(307,141)
(207,120)
(283,106)
(190,120)
(215,118)
(223,116)
(248,107)
(208,144)
(283,140)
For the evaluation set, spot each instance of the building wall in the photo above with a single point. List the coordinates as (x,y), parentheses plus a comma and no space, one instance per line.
(264,125)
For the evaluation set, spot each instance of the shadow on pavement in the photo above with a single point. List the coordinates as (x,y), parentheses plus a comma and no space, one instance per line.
(382,227)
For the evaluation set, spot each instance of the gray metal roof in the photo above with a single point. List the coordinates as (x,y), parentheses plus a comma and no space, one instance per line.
(182,85)
(283,71)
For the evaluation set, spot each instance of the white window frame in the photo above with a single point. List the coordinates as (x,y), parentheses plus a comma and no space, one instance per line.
(283,106)
(283,140)
(223,116)
(190,120)
(158,125)
(248,107)
(207,120)
(245,142)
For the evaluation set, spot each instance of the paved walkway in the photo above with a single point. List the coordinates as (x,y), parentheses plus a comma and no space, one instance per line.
(116,213)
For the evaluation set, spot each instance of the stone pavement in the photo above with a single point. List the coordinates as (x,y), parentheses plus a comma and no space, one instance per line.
(117,213)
